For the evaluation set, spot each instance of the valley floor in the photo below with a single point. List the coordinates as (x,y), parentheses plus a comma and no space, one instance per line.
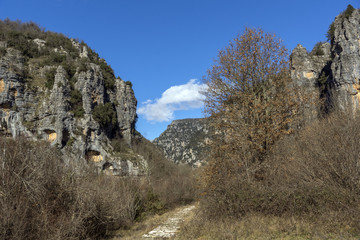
(163,226)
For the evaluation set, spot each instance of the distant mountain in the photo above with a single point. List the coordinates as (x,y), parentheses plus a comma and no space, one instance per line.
(185,141)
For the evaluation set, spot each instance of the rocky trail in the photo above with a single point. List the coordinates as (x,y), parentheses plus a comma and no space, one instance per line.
(171,226)
(164,226)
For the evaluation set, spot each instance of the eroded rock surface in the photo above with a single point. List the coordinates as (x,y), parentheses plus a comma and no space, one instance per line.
(70,98)
(185,141)
(330,73)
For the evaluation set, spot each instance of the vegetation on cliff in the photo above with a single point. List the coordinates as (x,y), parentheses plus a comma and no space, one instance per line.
(45,48)
(344,15)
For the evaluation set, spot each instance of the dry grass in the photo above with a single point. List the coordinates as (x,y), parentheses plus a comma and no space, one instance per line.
(308,182)
(255,226)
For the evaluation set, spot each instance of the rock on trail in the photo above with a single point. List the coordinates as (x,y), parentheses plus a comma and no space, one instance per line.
(170,227)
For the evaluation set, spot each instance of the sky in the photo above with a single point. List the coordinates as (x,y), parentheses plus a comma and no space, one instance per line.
(164,47)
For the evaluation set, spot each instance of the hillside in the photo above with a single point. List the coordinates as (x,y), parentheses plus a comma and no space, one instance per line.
(59,90)
(185,141)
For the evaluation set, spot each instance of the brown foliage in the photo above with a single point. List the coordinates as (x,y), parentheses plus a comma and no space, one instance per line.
(172,184)
(255,166)
(250,96)
(252,103)
(41,197)
(312,173)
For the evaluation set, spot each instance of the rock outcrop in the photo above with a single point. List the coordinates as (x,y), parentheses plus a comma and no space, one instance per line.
(68,96)
(330,74)
(310,72)
(185,141)
(345,64)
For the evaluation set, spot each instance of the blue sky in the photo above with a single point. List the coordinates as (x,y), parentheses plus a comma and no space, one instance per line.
(164,47)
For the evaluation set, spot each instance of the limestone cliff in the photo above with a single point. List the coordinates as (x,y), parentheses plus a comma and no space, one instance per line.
(56,89)
(185,141)
(331,71)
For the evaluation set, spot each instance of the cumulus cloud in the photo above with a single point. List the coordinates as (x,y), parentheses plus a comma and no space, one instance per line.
(180,97)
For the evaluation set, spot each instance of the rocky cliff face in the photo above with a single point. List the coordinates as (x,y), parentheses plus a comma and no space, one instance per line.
(345,66)
(330,74)
(310,72)
(185,141)
(66,95)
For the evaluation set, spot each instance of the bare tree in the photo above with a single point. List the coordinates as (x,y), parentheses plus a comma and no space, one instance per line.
(250,94)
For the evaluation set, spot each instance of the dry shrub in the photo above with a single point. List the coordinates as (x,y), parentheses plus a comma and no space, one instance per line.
(321,164)
(258,226)
(41,198)
(309,174)
(169,184)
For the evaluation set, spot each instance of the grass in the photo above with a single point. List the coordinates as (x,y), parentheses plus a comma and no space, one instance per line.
(256,226)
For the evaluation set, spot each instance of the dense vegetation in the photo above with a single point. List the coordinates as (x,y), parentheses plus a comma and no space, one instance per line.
(41,197)
(105,114)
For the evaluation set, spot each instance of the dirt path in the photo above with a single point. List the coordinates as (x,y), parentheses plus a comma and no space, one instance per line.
(170,227)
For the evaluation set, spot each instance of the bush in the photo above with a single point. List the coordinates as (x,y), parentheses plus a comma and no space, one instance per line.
(119,145)
(41,198)
(50,78)
(348,12)
(317,50)
(76,103)
(108,74)
(70,68)
(171,184)
(128,83)
(83,65)
(331,32)
(311,173)
(105,114)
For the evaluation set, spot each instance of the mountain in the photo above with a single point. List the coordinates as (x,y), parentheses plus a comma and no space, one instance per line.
(330,73)
(185,141)
(59,90)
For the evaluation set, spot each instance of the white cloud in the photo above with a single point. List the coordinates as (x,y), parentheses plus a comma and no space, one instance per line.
(180,97)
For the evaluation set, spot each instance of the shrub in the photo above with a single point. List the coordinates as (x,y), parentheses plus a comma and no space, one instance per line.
(311,173)
(331,32)
(70,68)
(19,41)
(50,78)
(170,183)
(83,65)
(76,103)
(105,114)
(108,74)
(119,145)
(317,50)
(348,12)
(42,198)
(57,58)
(128,83)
